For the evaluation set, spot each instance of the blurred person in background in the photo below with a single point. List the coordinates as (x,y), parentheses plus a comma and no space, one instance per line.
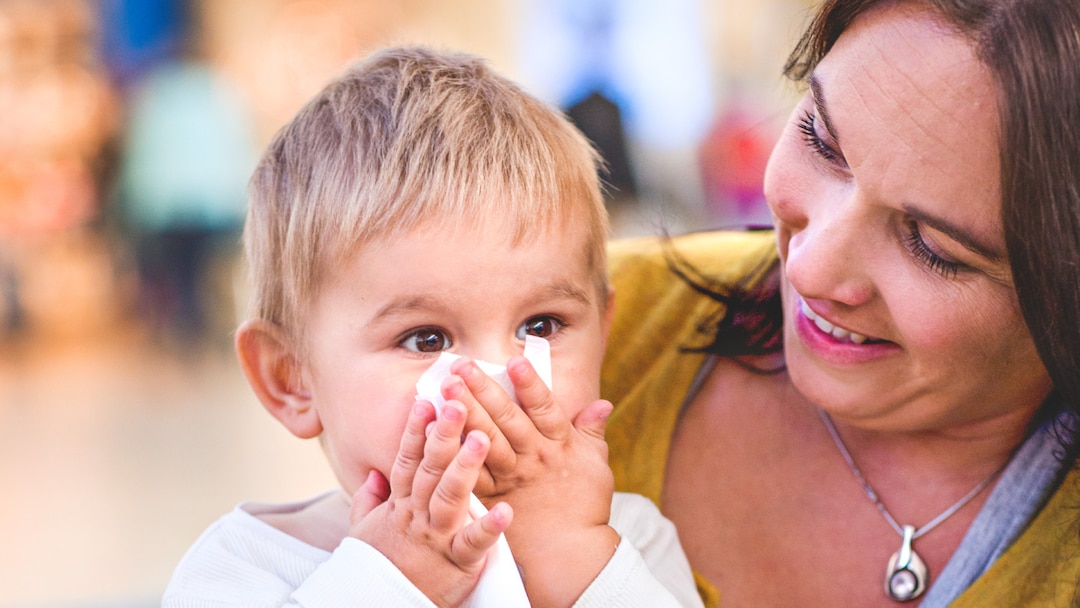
(642,65)
(188,147)
(58,115)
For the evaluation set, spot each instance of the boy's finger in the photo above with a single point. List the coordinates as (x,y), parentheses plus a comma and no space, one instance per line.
(501,458)
(443,443)
(374,492)
(450,501)
(471,545)
(537,401)
(411,449)
(501,455)
(592,421)
(509,420)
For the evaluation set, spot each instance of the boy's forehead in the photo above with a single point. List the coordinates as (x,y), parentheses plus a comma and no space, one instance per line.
(568,239)
(448,260)
(497,228)
(560,239)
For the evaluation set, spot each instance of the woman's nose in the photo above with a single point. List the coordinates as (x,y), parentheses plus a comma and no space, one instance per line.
(827,252)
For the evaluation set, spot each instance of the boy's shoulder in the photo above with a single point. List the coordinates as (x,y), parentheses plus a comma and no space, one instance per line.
(244,545)
(643,527)
(321,521)
(241,560)
(630,511)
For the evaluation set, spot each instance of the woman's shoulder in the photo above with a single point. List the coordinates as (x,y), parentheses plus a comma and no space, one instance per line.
(661,277)
(1042,566)
(719,254)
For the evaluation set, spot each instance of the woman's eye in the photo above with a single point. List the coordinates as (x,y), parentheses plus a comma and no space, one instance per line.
(922,252)
(541,327)
(427,340)
(808,127)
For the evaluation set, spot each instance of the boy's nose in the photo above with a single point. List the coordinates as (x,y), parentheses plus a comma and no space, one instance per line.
(494,351)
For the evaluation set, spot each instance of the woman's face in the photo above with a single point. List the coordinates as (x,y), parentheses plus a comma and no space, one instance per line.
(900,310)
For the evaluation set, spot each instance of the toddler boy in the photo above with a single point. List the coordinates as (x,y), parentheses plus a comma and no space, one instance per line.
(422,204)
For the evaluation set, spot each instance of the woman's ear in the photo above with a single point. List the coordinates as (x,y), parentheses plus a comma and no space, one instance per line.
(275,373)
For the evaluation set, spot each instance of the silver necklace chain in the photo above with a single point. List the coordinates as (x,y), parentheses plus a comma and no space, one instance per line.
(933,523)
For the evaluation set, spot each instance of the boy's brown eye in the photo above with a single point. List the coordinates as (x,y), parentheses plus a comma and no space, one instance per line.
(426,341)
(541,327)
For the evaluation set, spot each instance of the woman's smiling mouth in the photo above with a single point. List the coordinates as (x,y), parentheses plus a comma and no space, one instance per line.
(837,332)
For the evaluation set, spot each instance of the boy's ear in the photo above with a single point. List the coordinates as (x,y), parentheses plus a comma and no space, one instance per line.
(276,375)
(609,314)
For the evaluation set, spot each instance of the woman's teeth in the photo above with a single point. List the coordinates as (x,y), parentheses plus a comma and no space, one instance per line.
(836,332)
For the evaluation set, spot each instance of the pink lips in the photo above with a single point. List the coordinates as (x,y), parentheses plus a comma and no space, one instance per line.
(832,350)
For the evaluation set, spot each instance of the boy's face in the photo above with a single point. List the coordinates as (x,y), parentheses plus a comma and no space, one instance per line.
(385,315)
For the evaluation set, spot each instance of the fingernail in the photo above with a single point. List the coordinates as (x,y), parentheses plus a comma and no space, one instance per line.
(470,370)
(452,412)
(473,443)
(605,412)
(372,478)
(519,365)
(453,388)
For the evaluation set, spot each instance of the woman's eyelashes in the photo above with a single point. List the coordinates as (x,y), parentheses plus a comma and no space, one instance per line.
(808,127)
(922,252)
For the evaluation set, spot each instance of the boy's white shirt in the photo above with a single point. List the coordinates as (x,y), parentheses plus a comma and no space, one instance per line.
(243,561)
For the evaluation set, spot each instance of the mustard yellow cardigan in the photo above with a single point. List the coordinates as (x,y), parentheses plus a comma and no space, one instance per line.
(647,377)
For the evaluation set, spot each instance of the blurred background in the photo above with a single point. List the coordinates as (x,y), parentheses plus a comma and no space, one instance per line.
(128,129)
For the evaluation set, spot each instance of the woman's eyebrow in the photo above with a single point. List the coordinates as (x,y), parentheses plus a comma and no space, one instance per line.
(966,239)
(819,102)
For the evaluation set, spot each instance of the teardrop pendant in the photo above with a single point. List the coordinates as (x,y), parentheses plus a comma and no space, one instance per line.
(907,576)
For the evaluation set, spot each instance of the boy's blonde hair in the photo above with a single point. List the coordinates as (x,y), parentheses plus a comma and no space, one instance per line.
(404,137)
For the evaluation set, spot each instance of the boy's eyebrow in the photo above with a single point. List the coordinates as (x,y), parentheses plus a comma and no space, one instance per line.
(564,289)
(399,306)
(818,96)
(555,290)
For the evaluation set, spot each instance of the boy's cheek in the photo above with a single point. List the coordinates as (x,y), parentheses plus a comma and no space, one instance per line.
(367,442)
(574,401)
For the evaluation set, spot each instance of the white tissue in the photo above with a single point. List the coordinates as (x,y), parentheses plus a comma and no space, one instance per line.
(500,583)
(537,352)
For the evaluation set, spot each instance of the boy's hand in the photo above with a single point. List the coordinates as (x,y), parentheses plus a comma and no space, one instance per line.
(553,471)
(419,520)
